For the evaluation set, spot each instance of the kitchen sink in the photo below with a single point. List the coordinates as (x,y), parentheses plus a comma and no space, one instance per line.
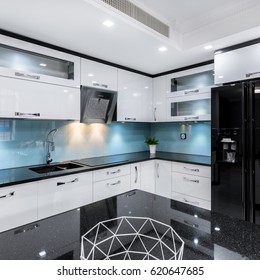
(55,167)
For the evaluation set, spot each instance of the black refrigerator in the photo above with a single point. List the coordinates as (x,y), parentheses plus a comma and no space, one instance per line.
(235,150)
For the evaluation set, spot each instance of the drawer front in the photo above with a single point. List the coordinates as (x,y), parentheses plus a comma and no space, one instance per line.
(191,200)
(192,169)
(18,205)
(111,187)
(64,193)
(195,186)
(109,173)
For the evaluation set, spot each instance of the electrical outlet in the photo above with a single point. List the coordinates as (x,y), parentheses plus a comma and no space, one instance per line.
(183,136)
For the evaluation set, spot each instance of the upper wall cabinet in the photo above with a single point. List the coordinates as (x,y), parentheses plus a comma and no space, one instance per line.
(98,75)
(237,65)
(159,99)
(194,78)
(134,97)
(22,60)
(32,100)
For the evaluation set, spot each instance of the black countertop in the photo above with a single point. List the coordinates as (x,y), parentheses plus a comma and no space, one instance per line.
(207,235)
(21,175)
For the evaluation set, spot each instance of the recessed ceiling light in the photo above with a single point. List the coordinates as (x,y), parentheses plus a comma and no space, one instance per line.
(162,49)
(108,23)
(90,75)
(43,64)
(208,47)
(42,254)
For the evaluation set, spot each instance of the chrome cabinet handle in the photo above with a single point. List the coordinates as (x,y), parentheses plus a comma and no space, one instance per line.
(10,194)
(114,184)
(100,85)
(24,75)
(130,119)
(191,91)
(27,114)
(69,182)
(191,169)
(193,202)
(136,174)
(154,114)
(157,170)
(189,180)
(191,118)
(113,172)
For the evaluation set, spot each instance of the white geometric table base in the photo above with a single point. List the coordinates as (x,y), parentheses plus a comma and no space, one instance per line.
(131,238)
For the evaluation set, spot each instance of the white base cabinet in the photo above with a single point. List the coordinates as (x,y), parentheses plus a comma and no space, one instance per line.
(64,193)
(18,205)
(163,178)
(111,181)
(148,176)
(191,184)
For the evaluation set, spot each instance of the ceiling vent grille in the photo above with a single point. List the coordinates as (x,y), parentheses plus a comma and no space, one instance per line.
(140,15)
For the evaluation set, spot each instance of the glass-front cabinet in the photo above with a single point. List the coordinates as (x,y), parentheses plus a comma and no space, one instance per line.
(189,94)
(28,61)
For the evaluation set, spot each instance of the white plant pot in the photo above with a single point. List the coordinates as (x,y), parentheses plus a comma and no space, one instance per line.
(152,149)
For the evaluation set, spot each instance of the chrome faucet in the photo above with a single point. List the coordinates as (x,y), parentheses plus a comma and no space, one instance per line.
(50,144)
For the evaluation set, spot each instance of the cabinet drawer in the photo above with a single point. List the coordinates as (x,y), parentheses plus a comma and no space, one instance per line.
(191,200)
(18,205)
(195,186)
(64,193)
(192,169)
(112,172)
(111,187)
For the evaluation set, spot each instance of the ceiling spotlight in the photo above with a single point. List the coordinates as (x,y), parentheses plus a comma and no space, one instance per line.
(108,23)
(43,64)
(208,47)
(162,49)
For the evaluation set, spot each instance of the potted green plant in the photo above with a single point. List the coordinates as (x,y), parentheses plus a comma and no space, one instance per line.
(152,142)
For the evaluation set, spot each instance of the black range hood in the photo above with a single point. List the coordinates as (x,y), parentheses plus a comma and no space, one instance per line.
(97,105)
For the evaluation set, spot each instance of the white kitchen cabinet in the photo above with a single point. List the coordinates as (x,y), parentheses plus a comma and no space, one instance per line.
(194,78)
(111,181)
(23,60)
(94,74)
(236,65)
(148,176)
(191,184)
(134,97)
(163,178)
(135,176)
(18,205)
(159,99)
(27,99)
(189,105)
(64,193)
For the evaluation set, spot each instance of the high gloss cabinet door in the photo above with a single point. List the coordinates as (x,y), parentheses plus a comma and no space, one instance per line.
(18,205)
(134,97)
(98,75)
(64,193)
(163,178)
(148,176)
(26,99)
(159,99)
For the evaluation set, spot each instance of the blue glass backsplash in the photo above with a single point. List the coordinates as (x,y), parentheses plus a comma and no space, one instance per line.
(197,140)
(23,142)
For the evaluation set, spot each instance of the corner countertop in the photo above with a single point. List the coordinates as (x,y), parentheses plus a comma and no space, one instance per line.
(207,235)
(20,175)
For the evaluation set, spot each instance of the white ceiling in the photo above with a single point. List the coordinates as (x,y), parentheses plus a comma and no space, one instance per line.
(77,25)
